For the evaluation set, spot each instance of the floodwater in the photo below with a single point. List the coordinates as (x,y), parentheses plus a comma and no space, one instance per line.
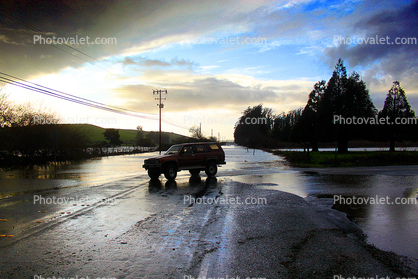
(390,227)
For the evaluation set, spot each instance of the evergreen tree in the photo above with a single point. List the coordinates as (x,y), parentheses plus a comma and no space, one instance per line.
(305,130)
(395,108)
(285,123)
(254,126)
(345,96)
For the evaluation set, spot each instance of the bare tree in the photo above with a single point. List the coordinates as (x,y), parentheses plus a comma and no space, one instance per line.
(19,115)
(196,132)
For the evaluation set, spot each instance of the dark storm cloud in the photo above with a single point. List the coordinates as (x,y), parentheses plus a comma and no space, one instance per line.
(59,17)
(21,20)
(397,59)
(137,26)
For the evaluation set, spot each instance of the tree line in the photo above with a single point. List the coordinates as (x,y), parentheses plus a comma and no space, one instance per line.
(30,135)
(339,110)
(25,140)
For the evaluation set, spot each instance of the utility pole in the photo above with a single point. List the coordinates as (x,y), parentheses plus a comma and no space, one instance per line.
(160,105)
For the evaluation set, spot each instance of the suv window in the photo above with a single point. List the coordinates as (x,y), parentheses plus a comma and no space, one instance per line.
(188,149)
(214,146)
(174,149)
(201,148)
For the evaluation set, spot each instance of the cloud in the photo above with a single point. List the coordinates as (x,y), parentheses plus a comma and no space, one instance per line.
(143,28)
(395,59)
(141,61)
(256,70)
(208,68)
(128,61)
(138,26)
(200,93)
(22,20)
(186,93)
(8,40)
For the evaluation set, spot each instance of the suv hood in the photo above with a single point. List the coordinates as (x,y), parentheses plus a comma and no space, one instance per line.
(160,157)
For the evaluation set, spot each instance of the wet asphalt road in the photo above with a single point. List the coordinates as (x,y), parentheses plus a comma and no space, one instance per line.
(196,227)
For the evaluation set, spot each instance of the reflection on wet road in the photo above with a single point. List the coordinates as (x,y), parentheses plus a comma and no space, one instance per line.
(90,188)
(390,227)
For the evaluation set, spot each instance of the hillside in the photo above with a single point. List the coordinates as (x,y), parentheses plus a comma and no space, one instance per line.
(95,135)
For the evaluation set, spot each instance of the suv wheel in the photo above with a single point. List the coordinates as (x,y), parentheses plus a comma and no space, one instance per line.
(194,172)
(153,173)
(170,172)
(211,169)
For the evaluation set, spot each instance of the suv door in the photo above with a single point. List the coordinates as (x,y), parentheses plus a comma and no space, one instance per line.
(202,152)
(186,156)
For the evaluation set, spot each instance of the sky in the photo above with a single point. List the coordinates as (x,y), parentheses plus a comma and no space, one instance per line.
(214,58)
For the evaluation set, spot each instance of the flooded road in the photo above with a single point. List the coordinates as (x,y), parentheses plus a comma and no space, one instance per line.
(113,193)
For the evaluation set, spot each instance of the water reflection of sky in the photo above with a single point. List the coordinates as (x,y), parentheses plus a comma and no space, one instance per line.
(95,171)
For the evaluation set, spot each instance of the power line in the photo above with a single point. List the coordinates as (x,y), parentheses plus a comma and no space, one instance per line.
(172,122)
(54,46)
(72,98)
(69,97)
(60,92)
(25,24)
(9,79)
(33,28)
(46,92)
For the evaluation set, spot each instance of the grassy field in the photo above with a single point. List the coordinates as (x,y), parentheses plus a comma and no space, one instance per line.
(350,159)
(95,134)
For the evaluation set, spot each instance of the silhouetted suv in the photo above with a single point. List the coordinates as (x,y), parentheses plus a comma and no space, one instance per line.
(194,157)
